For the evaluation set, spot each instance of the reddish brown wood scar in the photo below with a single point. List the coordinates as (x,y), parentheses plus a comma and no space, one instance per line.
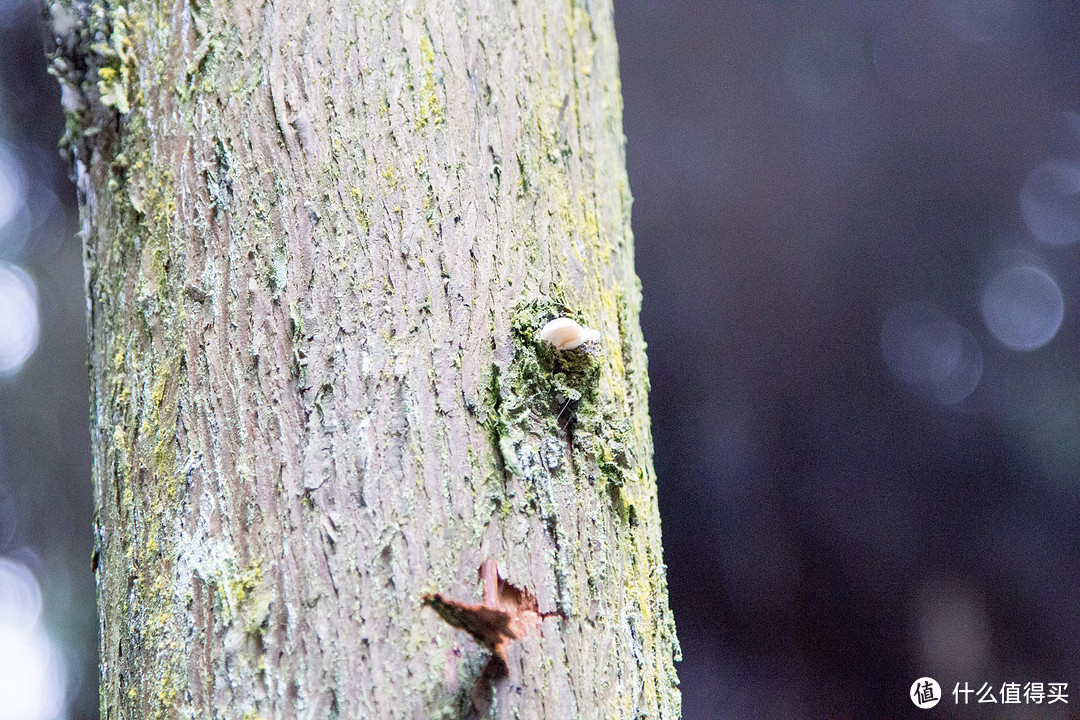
(507,613)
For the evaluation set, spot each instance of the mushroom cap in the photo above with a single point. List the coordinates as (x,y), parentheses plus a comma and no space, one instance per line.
(565,334)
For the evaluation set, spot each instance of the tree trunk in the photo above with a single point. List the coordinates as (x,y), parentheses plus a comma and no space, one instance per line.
(321,238)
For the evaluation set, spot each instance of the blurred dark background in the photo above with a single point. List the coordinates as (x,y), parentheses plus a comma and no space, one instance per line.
(857,230)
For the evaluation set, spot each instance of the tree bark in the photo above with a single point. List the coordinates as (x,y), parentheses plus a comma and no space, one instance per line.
(321,238)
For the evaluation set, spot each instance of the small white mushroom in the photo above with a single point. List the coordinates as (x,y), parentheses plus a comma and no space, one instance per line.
(565,334)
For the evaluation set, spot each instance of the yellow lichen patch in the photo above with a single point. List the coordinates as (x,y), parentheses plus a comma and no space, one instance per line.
(599,241)
(117,53)
(390,176)
(162,430)
(430,110)
(243,584)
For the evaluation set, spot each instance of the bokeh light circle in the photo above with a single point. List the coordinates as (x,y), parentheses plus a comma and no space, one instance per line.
(931,353)
(18,318)
(1050,202)
(979,20)
(1023,307)
(12,187)
(31,675)
(20,595)
(31,667)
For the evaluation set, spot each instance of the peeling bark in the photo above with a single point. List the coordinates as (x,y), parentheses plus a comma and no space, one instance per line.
(321,239)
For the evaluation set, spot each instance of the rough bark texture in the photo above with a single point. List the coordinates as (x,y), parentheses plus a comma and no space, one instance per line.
(321,236)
